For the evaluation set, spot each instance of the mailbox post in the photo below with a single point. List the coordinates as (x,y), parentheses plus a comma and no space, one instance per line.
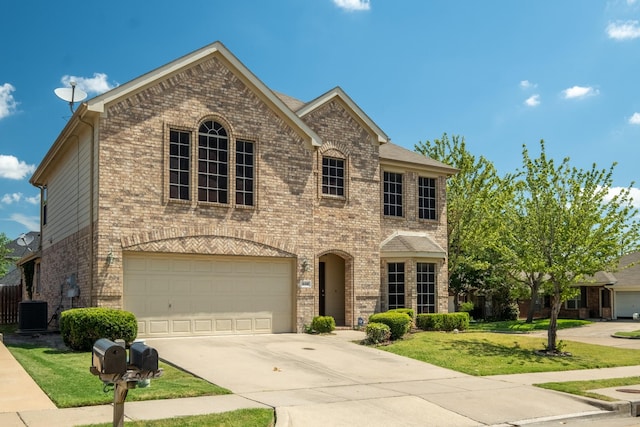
(109,362)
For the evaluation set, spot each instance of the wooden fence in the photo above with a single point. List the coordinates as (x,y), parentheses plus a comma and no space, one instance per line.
(10,297)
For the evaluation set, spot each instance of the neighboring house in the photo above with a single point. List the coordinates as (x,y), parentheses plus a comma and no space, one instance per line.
(205,203)
(23,247)
(608,295)
(626,290)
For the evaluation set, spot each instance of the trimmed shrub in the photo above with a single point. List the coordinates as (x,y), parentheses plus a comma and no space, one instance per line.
(82,327)
(443,321)
(377,333)
(398,323)
(323,324)
(408,311)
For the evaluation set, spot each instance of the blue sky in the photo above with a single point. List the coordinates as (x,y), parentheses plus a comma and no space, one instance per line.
(502,73)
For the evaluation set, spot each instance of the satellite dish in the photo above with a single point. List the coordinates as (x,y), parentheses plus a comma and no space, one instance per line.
(71,94)
(24,240)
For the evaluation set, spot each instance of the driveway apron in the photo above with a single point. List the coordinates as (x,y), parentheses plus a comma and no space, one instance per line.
(324,380)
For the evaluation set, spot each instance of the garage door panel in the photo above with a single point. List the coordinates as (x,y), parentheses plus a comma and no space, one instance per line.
(208,295)
(627,303)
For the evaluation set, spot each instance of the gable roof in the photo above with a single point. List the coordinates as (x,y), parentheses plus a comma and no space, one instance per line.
(628,274)
(204,53)
(391,153)
(97,104)
(338,93)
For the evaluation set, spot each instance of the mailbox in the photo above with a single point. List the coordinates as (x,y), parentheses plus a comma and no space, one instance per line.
(109,357)
(143,357)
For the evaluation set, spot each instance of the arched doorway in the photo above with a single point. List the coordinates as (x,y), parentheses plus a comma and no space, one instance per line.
(331,271)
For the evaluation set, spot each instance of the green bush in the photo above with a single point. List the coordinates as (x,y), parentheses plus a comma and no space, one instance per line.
(398,323)
(510,312)
(467,306)
(443,321)
(408,311)
(323,324)
(377,333)
(82,327)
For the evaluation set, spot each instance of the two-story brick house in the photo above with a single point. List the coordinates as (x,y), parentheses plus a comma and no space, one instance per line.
(205,203)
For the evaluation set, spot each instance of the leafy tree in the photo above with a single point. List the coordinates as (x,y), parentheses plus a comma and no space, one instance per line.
(566,225)
(476,197)
(4,254)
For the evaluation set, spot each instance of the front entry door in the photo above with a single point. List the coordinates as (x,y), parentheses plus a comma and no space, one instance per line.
(331,287)
(322,288)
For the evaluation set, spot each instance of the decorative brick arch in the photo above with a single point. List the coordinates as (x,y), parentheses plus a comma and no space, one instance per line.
(209,240)
(349,294)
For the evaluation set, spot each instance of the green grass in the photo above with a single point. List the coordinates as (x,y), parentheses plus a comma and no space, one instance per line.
(581,387)
(522,326)
(65,378)
(632,334)
(482,353)
(239,418)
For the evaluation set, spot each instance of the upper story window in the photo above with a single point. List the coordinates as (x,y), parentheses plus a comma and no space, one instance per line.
(333,176)
(426,198)
(245,154)
(392,183)
(179,165)
(213,163)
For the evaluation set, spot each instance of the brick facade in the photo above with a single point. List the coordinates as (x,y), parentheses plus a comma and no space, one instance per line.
(291,217)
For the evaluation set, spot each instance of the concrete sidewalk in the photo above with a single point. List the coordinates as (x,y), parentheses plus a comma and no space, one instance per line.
(327,380)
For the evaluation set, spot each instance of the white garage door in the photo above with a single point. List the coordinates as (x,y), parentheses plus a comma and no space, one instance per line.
(627,303)
(176,295)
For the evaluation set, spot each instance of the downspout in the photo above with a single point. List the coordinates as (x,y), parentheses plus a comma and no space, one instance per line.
(91,200)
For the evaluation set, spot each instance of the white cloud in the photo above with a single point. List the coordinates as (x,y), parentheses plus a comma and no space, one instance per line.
(9,199)
(635,119)
(533,101)
(634,194)
(579,92)
(623,30)
(12,168)
(526,84)
(7,102)
(93,85)
(353,5)
(35,200)
(31,223)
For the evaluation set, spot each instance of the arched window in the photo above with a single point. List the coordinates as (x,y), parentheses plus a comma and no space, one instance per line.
(213,163)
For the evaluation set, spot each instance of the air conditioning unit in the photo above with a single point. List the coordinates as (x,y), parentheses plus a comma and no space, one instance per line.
(32,316)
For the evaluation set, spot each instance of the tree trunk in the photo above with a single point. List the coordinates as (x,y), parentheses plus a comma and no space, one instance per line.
(552,333)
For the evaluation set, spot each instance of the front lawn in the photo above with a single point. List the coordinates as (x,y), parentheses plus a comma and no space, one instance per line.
(239,418)
(581,387)
(631,334)
(522,326)
(482,353)
(64,376)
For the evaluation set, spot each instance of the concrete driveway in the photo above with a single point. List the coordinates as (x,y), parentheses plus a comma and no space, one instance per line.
(328,380)
(601,333)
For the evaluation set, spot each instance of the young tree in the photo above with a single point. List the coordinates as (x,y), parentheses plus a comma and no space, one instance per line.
(476,197)
(566,225)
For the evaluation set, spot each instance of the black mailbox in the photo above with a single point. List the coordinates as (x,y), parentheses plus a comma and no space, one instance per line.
(109,357)
(143,357)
